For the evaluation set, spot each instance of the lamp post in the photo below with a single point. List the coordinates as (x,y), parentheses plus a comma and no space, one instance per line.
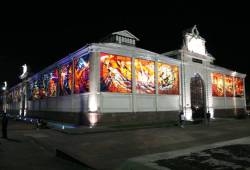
(4,88)
(23,104)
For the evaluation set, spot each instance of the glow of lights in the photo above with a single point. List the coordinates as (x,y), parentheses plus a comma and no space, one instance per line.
(104,57)
(211,110)
(188,114)
(93,119)
(5,86)
(195,44)
(92,103)
(210,107)
(25,71)
(234,73)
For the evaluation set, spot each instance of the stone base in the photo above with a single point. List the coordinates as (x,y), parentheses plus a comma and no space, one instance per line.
(64,117)
(123,118)
(136,118)
(13,112)
(233,113)
(106,118)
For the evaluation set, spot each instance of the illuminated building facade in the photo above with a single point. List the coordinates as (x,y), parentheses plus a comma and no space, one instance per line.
(116,82)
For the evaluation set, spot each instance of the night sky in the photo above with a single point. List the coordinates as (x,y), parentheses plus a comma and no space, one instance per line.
(40,39)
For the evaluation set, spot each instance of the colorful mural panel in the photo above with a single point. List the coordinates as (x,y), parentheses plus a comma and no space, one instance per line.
(217,84)
(42,87)
(144,76)
(168,79)
(81,74)
(35,90)
(65,79)
(10,97)
(45,83)
(17,94)
(229,86)
(29,90)
(53,80)
(115,73)
(239,87)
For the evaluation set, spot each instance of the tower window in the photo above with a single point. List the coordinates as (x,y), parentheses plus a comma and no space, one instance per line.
(196,60)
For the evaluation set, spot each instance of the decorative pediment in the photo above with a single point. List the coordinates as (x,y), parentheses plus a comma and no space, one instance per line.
(194,42)
(126,34)
(121,37)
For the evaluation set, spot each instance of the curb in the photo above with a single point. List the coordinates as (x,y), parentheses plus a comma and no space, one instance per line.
(109,130)
(61,153)
(71,157)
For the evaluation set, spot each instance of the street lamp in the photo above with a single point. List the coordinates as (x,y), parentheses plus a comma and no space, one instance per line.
(4,88)
(23,104)
(25,72)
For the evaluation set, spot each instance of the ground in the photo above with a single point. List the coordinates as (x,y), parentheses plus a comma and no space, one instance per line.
(20,151)
(106,148)
(233,157)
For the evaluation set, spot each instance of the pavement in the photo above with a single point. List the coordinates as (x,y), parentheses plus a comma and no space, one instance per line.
(20,151)
(106,148)
(231,154)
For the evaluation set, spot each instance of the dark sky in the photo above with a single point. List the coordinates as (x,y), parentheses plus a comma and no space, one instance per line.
(41,38)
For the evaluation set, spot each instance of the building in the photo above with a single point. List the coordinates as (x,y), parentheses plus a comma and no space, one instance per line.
(115,82)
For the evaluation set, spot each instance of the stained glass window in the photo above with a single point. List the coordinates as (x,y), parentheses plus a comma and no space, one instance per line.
(81,74)
(144,76)
(65,79)
(168,79)
(217,84)
(115,73)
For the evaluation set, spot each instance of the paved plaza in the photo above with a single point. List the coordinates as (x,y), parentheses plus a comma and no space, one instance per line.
(106,148)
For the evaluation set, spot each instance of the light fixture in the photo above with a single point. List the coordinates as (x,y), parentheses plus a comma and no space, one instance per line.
(25,72)
(93,119)
(5,86)
(234,73)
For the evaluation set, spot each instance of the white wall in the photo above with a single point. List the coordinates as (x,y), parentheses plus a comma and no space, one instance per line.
(168,102)
(145,103)
(116,102)
(75,103)
(218,102)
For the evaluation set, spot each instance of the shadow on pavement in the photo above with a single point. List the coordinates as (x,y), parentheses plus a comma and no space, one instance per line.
(13,140)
